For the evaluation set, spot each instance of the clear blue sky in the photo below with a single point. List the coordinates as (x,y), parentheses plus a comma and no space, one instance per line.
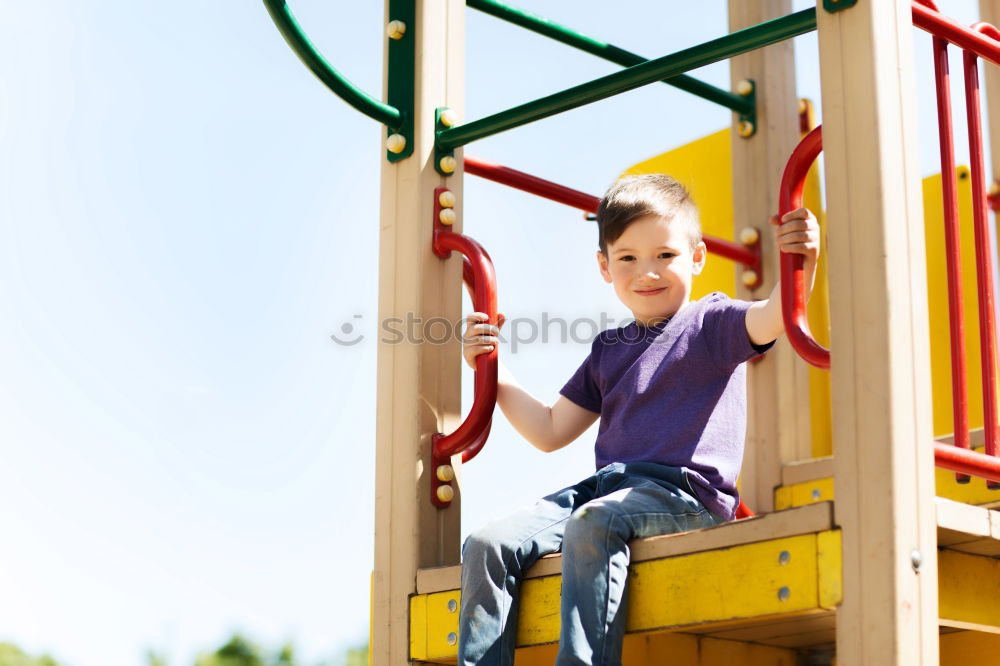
(187,215)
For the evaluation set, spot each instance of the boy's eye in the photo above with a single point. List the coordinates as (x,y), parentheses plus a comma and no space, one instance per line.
(626,257)
(667,255)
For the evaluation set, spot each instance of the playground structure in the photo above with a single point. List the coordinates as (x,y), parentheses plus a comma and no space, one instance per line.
(858,552)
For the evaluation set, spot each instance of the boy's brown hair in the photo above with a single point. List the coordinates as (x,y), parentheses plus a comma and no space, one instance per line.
(633,197)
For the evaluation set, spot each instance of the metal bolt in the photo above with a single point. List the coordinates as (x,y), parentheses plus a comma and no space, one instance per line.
(916,559)
(395,29)
(749,235)
(448,164)
(744,87)
(395,143)
(448,117)
(445,473)
(452,638)
(803,105)
(745,128)
(447,216)
(816,494)
(445,493)
(784,593)
(749,278)
(447,199)
(784,558)
(452,605)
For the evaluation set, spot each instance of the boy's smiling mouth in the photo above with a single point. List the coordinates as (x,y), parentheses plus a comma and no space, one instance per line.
(649,292)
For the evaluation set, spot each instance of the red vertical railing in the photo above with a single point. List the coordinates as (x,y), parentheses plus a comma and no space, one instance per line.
(981,40)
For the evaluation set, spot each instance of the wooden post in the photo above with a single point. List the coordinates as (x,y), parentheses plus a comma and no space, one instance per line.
(418,384)
(778,386)
(883,460)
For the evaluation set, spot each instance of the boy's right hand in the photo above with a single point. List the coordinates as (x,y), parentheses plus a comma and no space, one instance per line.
(479,337)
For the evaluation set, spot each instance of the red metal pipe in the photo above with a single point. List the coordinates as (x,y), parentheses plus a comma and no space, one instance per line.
(952,248)
(984,259)
(589,203)
(985,44)
(470,452)
(965,461)
(793,285)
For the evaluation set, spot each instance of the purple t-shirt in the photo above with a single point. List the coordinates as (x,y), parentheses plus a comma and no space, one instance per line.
(674,394)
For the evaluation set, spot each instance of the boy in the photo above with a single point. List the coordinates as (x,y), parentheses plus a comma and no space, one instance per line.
(670,392)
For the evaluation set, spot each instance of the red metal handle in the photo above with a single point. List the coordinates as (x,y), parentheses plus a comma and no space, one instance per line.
(471,434)
(964,461)
(793,284)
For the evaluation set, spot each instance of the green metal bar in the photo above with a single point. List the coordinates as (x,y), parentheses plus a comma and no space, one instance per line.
(634,77)
(568,36)
(334,80)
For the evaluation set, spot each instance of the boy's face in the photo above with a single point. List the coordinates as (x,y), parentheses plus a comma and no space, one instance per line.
(651,267)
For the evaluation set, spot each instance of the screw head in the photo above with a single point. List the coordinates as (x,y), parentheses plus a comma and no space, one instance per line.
(445,473)
(445,494)
(447,199)
(448,164)
(447,216)
(448,117)
(452,605)
(749,235)
(744,87)
(452,638)
(816,493)
(395,29)
(784,594)
(749,278)
(916,559)
(745,128)
(395,143)
(784,558)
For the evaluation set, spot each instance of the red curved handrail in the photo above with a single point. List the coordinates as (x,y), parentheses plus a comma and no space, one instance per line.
(793,286)
(480,277)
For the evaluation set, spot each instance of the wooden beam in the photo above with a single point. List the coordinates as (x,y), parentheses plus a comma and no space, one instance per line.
(883,465)
(778,386)
(418,384)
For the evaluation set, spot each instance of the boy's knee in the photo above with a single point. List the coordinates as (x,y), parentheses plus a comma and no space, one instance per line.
(590,521)
(483,542)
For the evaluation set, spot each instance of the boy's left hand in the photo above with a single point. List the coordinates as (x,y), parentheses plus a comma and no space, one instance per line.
(797,233)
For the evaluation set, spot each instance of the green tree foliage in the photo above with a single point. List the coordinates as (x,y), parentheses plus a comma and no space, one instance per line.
(11,655)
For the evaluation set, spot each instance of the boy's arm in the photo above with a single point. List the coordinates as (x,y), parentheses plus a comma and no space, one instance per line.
(797,233)
(547,428)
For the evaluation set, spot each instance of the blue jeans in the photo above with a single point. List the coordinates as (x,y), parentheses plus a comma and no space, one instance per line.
(592,523)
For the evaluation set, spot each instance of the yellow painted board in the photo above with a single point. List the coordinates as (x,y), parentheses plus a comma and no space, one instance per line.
(801,494)
(769,578)
(969,589)
(969,648)
(821,490)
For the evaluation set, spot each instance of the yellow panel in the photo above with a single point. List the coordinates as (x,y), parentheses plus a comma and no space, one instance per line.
(969,648)
(743,581)
(434,625)
(969,589)
(800,494)
(739,582)
(538,655)
(705,166)
(820,490)
(418,627)
(829,563)
(937,295)
(717,652)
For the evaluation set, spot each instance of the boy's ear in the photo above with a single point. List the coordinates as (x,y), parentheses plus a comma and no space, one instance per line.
(700,255)
(602,264)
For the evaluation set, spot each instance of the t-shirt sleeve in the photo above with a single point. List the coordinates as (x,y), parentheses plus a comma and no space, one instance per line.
(726,332)
(582,388)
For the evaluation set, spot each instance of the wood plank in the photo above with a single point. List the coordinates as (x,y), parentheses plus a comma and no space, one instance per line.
(777,386)
(881,380)
(802,520)
(803,471)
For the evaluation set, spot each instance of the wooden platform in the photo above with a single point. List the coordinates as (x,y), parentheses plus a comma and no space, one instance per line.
(772,580)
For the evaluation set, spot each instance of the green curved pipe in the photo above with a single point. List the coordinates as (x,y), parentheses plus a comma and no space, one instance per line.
(334,80)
